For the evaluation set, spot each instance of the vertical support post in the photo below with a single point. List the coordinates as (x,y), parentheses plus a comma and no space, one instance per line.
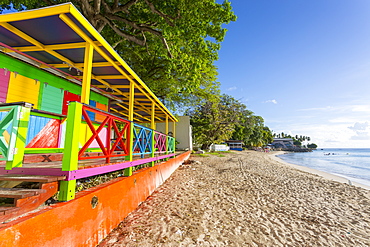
(21,117)
(152,126)
(166,135)
(128,171)
(108,139)
(174,136)
(86,79)
(71,148)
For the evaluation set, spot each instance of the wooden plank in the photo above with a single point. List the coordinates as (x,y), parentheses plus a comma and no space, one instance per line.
(18,85)
(6,210)
(34,191)
(47,137)
(30,178)
(4,81)
(68,96)
(15,194)
(52,99)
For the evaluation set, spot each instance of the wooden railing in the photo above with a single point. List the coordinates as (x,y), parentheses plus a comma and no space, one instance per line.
(84,138)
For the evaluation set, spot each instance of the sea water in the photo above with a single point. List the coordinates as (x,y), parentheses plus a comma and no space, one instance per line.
(350,163)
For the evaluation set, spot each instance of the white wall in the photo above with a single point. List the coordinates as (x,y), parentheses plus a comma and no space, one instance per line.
(183,132)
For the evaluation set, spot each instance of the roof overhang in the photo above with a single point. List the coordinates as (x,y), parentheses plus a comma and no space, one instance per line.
(55,38)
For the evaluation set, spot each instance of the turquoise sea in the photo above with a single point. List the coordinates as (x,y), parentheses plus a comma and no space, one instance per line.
(350,163)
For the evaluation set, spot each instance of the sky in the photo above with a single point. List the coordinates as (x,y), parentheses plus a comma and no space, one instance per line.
(303,65)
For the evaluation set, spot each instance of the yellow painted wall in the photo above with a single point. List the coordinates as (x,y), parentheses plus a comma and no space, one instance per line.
(22,88)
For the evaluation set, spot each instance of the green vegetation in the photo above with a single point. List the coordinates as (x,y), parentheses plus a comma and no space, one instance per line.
(171,45)
(201,155)
(297,139)
(207,154)
(223,118)
(312,145)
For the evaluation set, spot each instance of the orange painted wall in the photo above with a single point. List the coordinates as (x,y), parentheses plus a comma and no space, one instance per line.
(76,223)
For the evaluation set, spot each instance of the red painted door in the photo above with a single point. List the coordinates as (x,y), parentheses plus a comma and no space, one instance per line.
(68,96)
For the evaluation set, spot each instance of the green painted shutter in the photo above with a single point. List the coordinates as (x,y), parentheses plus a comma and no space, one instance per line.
(52,99)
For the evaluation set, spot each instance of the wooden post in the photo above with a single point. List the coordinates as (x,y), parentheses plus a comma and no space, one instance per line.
(86,79)
(128,171)
(152,126)
(166,136)
(71,148)
(174,136)
(18,135)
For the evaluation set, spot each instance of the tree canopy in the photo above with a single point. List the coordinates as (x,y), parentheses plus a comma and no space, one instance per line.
(225,118)
(171,45)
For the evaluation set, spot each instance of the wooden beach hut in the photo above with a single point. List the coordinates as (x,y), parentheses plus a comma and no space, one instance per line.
(235,145)
(70,107)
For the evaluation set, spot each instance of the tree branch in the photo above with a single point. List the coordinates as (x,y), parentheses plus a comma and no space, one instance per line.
(167,47)
(123,8)
(117,43)
(118,31)
(97,4)
(164,16)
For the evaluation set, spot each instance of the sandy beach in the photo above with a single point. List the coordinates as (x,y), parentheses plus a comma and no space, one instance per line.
(248,199)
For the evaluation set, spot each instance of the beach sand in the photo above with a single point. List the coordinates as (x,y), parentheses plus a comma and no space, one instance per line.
(248,199)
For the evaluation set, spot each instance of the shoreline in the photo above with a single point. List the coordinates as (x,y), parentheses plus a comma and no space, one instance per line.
(326,175)
(247,198)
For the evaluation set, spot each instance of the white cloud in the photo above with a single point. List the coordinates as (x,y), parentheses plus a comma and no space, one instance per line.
(231,89)
(271,101)
(361,108)
(336,126)
(361,136)
(327,108)
(361,131)
(340,120)
(359,126)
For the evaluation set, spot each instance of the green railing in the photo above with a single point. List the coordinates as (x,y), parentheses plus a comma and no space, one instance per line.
(13,132)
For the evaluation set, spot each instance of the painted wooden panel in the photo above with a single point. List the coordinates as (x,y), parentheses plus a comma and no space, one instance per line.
(47,137)
(102,134)
(68,96)
(4,82)
(52,99)
(35,125)
(62,134)
(22,88)
(103,107)
(91,114)
(32,72)
(6,134)
(83,134)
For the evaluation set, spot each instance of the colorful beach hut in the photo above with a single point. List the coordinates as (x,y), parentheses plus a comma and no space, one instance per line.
(71,107)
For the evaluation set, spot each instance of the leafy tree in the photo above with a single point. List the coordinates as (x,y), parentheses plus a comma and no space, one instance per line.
(225,118)
(214,121)
(297,143)
(252,131)
(312,145)
(170,44)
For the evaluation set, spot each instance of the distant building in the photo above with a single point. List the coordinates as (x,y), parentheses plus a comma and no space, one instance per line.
(235,145)
(183,132)
(283,143)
